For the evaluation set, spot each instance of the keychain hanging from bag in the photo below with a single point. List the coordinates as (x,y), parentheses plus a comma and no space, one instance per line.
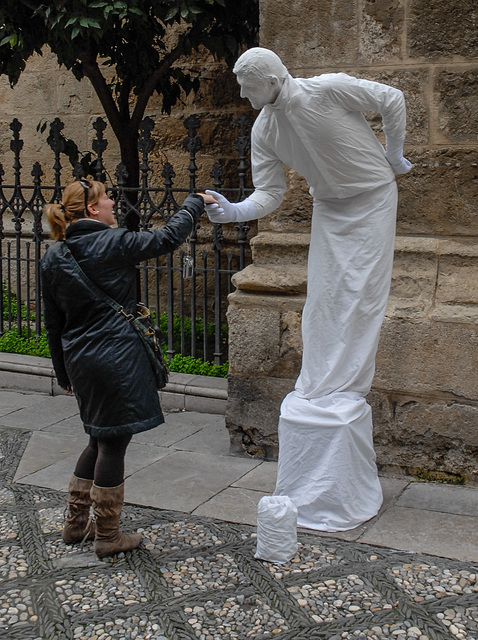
(188,262)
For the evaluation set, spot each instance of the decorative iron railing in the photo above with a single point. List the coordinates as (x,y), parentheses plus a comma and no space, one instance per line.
(192,309)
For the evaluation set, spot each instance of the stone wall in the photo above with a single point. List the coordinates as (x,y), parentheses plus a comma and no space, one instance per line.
(46,91)
(425,392)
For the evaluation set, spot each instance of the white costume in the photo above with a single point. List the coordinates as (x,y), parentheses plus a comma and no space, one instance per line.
(316,126)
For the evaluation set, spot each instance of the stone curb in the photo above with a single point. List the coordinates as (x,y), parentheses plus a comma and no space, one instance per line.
(183,391)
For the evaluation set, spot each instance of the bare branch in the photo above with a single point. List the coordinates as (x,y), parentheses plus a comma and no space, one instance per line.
(163,69)
(31,5)
(92,72)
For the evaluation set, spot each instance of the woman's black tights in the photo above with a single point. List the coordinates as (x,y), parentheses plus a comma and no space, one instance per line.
(103,461)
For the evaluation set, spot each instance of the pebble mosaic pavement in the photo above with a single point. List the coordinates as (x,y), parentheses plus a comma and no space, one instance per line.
(196,579)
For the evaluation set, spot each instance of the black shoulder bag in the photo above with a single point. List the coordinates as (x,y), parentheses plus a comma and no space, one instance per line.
(144,325)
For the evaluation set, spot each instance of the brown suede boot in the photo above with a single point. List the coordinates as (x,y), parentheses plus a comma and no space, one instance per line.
(107,506)
(78,524)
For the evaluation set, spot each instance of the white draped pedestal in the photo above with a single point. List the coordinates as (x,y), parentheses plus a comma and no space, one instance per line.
(327,461)
(326,456)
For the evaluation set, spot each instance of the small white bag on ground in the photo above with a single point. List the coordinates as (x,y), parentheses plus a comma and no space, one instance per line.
(276,529)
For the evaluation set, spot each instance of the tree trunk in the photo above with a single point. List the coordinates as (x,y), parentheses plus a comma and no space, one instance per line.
(130,158)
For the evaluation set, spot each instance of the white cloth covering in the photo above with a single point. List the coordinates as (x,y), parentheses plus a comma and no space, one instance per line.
(316,126)
(326,455)
(327,462)
(276,529)
(349,272)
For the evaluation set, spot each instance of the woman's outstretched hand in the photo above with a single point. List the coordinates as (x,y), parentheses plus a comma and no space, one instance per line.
(208,199)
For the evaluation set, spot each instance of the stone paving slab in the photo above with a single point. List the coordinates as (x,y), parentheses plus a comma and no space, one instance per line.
(140,456)
(45,449)
(13,401)
(49,460)
(71,425)
(438,533)
(41,414)
(194,418)
(175,429)
(164,436)
(195,577)
(45,456)
(234,504)
(213,438)
(183,480)
(262,478)
(54,476)
(440,497)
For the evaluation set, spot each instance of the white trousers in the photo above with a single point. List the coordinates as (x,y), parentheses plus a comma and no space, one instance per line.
(326,456)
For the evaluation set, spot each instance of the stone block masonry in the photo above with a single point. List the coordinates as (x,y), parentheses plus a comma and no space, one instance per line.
(425,391)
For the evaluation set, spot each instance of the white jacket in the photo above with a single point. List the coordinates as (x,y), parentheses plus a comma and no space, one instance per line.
(316,127)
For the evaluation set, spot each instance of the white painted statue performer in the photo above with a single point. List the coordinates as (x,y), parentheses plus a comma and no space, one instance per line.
(316,126)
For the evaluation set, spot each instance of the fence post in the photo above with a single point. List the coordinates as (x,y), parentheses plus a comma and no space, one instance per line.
(20,258)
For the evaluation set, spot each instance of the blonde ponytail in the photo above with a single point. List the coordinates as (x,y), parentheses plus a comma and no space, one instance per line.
(55,214)
(72,207)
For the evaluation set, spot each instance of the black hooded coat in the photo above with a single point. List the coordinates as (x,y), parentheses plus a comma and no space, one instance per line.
(94,349)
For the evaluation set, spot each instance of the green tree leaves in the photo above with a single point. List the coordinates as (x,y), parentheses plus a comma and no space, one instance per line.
(148,45)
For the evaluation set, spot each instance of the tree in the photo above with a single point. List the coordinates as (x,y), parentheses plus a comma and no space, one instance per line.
(138,40)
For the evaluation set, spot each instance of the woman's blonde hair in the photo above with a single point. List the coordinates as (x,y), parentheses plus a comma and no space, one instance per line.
(72,206)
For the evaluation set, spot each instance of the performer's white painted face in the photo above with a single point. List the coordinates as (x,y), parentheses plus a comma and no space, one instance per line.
(259,91)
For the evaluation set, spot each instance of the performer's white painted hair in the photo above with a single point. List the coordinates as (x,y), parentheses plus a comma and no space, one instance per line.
(261,62)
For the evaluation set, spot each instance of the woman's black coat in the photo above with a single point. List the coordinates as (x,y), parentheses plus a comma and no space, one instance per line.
(94,349)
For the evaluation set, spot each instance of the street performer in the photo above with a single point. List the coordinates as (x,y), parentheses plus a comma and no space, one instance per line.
(316,126)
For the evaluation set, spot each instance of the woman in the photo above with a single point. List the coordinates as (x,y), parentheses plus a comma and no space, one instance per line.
(96,353)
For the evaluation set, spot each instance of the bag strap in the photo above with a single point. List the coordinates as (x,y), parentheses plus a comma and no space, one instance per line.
(97,292)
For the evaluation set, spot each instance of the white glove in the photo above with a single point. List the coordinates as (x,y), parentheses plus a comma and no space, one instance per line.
(394,155)
(227,211)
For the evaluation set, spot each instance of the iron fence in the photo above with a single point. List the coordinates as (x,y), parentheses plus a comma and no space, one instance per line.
(191,310)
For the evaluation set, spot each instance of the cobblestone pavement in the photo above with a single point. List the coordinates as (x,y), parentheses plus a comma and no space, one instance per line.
(196,578)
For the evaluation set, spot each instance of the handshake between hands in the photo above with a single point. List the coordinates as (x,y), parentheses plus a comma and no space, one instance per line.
(220,210)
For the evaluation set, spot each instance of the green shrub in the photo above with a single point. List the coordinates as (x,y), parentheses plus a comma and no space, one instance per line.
(187,364)
(11,342)
(12,303)
(210,333)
